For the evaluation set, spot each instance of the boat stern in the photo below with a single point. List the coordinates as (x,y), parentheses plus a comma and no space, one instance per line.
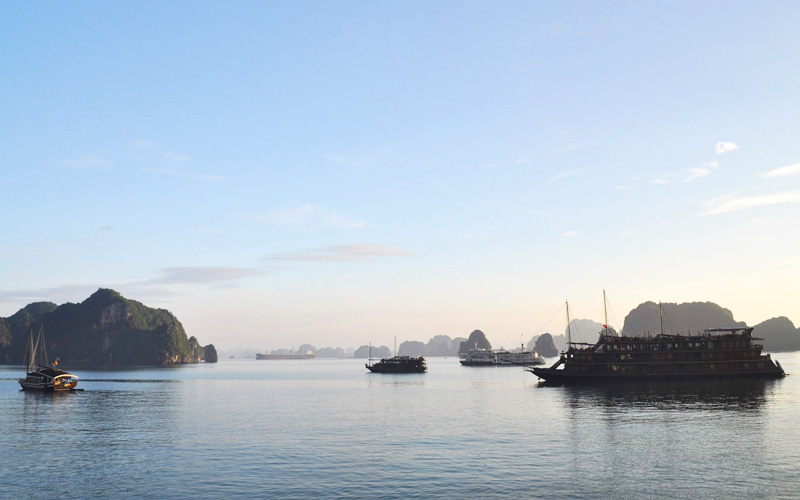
(65,382)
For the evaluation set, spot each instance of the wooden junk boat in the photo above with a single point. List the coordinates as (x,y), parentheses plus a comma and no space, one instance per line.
(716,353)
(40,376)
(397,364)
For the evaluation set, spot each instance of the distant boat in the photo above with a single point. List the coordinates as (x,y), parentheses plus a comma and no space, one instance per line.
(488,357)
(40,376)
(716,353)
(291,355)
(397,364)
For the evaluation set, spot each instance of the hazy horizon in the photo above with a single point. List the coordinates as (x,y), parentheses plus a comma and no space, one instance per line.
(344,173)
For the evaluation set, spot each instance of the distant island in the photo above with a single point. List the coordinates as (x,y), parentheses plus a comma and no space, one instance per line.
(106,328)
(778,334)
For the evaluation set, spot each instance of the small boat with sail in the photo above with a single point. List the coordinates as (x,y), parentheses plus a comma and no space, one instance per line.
(41,376)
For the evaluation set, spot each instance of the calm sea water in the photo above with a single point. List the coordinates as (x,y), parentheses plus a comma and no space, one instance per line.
(329,429)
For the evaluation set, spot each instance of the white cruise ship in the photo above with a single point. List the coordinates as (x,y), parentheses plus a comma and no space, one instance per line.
(486,357)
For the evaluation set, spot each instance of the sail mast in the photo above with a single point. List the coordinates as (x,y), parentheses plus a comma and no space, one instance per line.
(569,335)
(43,346)
(605,312)
(30,354)
(661,317)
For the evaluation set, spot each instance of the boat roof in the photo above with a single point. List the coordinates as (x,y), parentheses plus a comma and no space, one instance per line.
(54,372)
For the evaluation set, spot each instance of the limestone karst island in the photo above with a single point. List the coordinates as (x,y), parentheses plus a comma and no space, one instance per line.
(106,328)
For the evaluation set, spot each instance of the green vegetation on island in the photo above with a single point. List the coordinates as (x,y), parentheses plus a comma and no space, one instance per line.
(106,328)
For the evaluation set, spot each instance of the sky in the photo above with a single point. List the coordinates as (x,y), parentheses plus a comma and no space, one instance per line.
(340,173)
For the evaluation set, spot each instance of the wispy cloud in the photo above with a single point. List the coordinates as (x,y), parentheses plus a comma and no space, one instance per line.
(158,288)
(688,175)
(781,172)
(86,161)
(790,260)
(104,228)
(58,294)
(174,157)
(340,253)
(622,188)
(697,173)
(491,165)
(151,151)
(529,212)
(570,147)
(198,176)
(144,144)
(731,202)
(308,218)
(570,234)
(726,147)
(199,275)
(360,158)
(565,173)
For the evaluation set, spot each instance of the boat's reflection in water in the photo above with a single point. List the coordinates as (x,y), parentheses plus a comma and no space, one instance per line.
(720,394)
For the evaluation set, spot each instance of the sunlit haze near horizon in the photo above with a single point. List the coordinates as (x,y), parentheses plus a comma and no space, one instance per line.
(340,173)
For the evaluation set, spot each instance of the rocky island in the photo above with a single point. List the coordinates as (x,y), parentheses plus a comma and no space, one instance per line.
(106,328)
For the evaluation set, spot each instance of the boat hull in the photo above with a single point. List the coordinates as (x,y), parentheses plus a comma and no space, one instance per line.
(377,369)
(44,387)
(555,376)
(399,364)
(49,379)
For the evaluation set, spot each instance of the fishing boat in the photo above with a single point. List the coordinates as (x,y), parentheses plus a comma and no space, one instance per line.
(715,353)
(40,376)
(501,357)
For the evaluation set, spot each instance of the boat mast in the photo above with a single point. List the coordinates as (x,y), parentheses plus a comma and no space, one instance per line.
(569,335)
(30,354)
(39,350)
(661,317)
(605,312)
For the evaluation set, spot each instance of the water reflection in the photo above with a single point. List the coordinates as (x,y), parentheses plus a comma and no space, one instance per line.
(735,395)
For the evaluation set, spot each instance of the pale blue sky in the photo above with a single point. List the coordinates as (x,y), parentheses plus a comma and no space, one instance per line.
(343,172)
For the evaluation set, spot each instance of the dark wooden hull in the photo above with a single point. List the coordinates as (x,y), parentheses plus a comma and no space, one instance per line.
(556,376)
(376,368)
(43,387)
(49,379)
